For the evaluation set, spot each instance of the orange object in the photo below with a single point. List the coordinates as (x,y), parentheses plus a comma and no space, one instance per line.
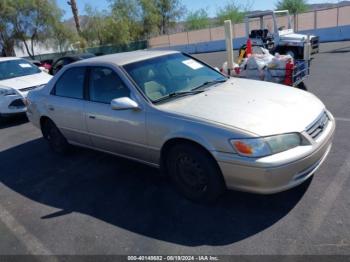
(249,51)
(288,80)
(243,148)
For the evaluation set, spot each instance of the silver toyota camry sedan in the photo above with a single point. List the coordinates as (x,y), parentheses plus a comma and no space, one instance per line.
(172,111)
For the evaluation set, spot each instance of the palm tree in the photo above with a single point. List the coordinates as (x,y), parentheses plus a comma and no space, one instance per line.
(73,5)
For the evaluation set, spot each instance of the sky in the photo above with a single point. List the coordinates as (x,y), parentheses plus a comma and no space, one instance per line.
(191,5)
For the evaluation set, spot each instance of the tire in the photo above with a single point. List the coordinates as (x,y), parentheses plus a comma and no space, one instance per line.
(54,137)
(302,86)
(56,70)
(195,173)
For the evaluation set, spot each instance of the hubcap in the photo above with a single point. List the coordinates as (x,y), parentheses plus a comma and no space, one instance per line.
(191,174)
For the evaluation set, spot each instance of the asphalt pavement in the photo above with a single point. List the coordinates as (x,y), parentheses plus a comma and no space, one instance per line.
(93,203)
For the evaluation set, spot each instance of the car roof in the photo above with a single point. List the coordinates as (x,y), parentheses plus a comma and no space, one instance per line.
(79,56)
(121,59)
(2,59)
(74,57)
(265,13)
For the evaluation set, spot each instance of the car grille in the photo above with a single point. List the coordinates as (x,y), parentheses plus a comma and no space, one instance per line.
(28,88)
(317,128)
(17,103)
(315,42)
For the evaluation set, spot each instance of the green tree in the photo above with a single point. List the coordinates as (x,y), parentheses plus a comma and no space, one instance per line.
(63,37)
(197,20)
(159,16)
(95,29)
(120,25)
(169,11)
(150,17)
(117,32)
(294,6)
(125,18)
(29,21)
(231,11)
(7,34)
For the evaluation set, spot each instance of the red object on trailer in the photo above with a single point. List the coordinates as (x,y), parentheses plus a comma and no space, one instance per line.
(288,80)
(249,50)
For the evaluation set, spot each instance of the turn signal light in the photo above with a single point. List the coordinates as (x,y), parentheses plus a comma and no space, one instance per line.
(243,148)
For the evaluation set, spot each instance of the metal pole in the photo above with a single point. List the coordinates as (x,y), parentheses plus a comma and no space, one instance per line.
(297,24)
(338,15)
(229,45)
(315,19)
(307,49)
(210,37)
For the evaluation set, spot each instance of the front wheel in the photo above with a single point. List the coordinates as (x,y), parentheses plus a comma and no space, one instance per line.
(54,137)
(195,173)
(302,86)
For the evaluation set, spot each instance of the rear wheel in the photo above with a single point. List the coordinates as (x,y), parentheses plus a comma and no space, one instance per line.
(54,137)
(195,173)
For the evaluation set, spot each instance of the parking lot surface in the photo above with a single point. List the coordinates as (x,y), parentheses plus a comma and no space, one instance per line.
(93,203)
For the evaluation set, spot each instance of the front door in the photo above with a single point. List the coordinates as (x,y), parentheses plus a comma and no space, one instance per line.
(118,131)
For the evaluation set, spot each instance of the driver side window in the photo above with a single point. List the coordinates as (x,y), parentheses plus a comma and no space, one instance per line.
(105,85)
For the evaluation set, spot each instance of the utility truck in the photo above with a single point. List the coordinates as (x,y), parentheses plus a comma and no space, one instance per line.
(273,30)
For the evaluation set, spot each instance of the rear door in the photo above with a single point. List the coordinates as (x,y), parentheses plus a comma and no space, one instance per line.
(118,131)
(66,105)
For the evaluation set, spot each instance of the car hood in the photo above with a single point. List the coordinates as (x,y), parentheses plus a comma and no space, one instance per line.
(257,107)
(26,81)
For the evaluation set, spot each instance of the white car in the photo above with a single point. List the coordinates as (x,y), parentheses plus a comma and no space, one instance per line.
(17,77)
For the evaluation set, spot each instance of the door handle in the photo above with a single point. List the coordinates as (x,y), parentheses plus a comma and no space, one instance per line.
(92,117)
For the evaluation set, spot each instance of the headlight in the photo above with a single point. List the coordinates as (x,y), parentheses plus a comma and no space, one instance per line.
(7,91)
(259,147)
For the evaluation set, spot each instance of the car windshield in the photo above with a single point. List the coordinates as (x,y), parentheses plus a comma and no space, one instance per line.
(170,75)
(16,68)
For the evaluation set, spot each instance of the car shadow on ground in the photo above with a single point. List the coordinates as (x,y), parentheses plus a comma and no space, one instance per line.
(10,121)
(136,197)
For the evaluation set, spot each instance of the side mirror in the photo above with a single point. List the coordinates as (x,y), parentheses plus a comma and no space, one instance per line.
(124,103)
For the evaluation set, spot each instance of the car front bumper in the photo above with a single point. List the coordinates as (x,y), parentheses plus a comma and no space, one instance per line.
(279,172)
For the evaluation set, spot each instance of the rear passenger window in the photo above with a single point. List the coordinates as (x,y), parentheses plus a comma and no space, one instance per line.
(105,85)
(71,83)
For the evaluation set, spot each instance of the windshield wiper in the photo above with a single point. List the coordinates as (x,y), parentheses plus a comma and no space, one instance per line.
(210,83)
(178,94)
